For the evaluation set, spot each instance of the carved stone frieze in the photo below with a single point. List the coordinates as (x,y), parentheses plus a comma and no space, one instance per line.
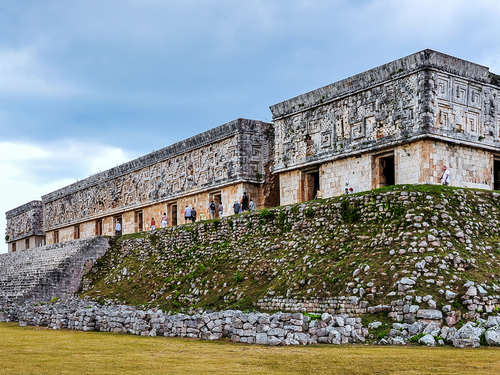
(25,221)
(211,160)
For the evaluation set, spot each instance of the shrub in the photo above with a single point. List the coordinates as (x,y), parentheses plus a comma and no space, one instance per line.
(349,212)
(238,277)
(415,338)
(266,215)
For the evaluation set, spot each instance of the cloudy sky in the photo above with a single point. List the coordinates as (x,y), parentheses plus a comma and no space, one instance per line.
(86,85)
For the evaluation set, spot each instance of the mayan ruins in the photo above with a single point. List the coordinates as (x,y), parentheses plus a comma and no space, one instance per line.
(354,239)
(399,123)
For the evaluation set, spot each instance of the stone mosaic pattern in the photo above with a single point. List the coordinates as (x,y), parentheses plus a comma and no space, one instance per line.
(232,153)
(427,94)
(25,221)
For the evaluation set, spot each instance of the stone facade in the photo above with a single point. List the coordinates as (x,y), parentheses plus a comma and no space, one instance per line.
(25,227)
(219,164)
(395,124)
(399,123)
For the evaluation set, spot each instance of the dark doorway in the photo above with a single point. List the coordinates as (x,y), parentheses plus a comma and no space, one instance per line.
(139,219)
(496,174)
(311,185)
(173,214)
(55,236)
(116,220)
(76,234)
(27,243)
(14,247)
(217,198)
(98,228)
(387,171)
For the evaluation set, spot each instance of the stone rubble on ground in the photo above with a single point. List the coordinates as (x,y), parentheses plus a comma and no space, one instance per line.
(253,328)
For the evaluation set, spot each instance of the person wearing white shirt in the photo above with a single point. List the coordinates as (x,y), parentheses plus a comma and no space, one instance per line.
(445,178)
(118,228)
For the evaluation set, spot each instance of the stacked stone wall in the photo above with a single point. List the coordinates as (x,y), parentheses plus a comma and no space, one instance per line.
(251,328)
(49,271)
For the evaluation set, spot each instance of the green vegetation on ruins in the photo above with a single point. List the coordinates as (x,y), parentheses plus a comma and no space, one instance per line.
(356,245)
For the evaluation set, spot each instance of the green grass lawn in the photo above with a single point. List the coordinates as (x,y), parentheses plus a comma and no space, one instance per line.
(30,350)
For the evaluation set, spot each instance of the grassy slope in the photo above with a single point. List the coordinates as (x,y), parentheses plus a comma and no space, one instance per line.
(310,250)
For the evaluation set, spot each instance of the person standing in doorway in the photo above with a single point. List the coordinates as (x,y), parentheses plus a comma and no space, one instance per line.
(118,228)
(164,220)
(245,199)
(193,214)
(211,209)
(445,178)
(187,214)
(319,194)
(220,209)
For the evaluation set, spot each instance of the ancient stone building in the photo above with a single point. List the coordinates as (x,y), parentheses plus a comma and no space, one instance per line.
(399,123)
(219,164)
(25,227)
(395,124)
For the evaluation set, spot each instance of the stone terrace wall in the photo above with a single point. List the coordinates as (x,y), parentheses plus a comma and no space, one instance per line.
(46,272)
(234,152)
(252,328)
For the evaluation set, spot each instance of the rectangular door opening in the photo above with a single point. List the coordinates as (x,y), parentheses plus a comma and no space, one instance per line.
(27,243)
(76,232)
(116,220)
(98,227)
(173,214)
(139,221)
(384,170)
(311,185)
(496,174)
(217,198)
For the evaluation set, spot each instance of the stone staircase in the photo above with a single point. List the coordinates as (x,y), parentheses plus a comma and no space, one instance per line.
(42,273)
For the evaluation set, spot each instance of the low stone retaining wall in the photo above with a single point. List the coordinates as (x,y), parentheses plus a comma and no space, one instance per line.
(252,328)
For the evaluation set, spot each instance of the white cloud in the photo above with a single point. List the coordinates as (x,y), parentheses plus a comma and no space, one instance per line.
(22,167)
(22,73)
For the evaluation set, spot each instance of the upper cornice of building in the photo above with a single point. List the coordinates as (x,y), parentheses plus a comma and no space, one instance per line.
(426,59)
(210,136)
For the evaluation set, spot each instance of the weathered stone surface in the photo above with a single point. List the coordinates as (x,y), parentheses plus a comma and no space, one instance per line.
(429,314)
(427,340)
(46,272)
(492,337)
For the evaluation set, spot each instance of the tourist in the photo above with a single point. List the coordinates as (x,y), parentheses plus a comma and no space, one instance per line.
(252,205)
(445,178)
(211,209)
(245,199)
(164,220)
(153,224)
(220,209)
(346,191)
(193,214)
(118,228)
(187,214)
(351,190)
(202,215)
(319,194)
(236,207)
